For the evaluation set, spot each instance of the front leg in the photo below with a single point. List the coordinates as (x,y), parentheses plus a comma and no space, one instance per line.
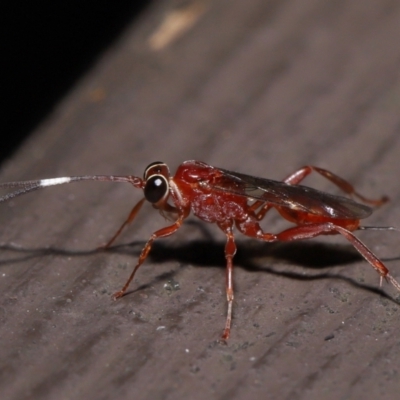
(130,218)
(167,231)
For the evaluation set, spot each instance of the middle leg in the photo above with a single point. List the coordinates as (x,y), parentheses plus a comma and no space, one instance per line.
(230,251)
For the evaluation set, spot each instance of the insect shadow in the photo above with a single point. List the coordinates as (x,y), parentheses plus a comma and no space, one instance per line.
(252,256)
(270,258)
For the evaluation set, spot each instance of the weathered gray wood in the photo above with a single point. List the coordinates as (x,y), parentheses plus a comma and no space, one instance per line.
(259,87)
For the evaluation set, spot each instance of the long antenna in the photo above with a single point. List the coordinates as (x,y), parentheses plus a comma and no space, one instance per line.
(30,186)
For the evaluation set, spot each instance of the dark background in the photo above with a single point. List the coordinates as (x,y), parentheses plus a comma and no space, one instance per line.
(46,47)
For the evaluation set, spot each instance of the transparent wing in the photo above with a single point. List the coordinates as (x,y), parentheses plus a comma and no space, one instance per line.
(295,197)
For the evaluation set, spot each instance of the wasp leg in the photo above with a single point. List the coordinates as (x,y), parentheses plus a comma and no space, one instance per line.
(167,231)
(300,174)
(252,228)
(230,250)
(130,218)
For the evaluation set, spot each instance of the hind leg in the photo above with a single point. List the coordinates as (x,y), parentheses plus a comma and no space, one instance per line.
(299,175)
(253,229)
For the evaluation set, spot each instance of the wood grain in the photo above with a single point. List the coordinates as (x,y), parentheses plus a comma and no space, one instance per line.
(258,87)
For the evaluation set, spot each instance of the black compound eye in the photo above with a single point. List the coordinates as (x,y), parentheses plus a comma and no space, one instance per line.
(156,188)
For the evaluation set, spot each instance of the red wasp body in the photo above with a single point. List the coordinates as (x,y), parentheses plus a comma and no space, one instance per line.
(234,200)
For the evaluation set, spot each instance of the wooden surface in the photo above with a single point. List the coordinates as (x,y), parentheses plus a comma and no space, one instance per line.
(258,87)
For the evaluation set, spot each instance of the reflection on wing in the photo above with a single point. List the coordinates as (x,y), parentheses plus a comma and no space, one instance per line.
(295,197)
